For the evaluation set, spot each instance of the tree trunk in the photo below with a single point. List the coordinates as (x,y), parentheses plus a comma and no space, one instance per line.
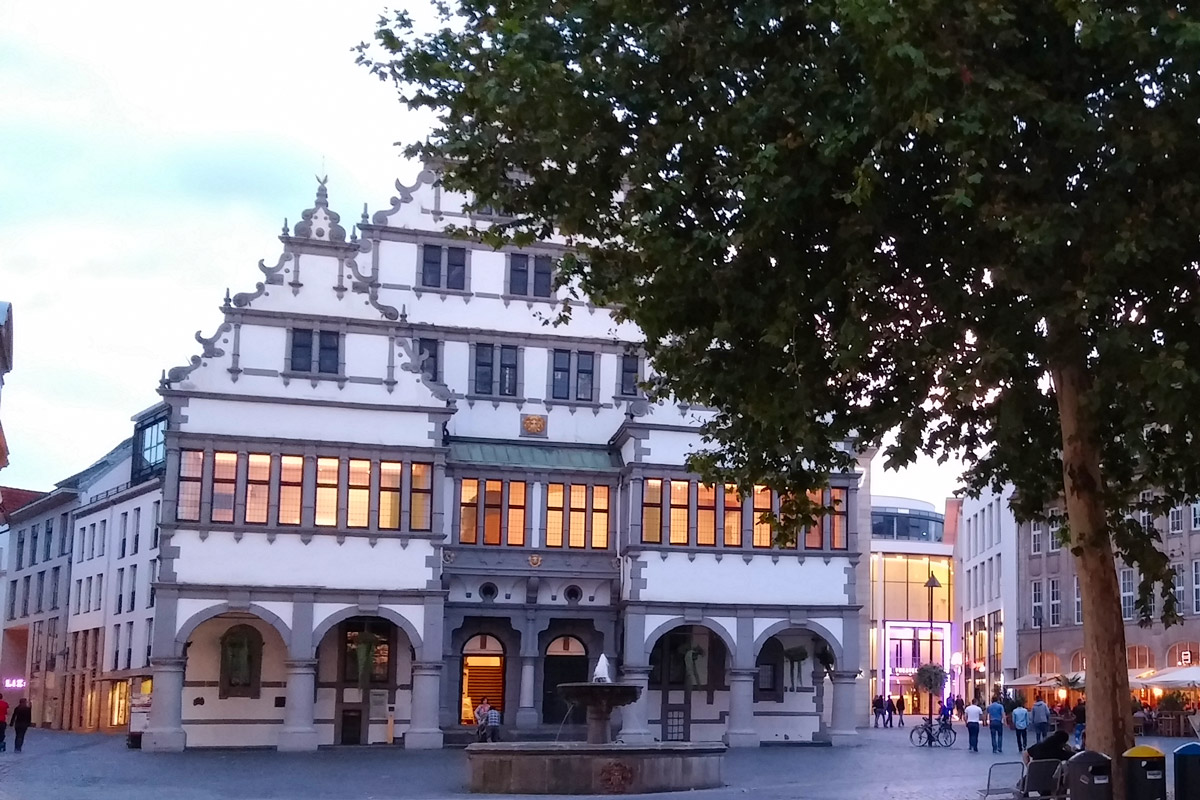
(1107,688)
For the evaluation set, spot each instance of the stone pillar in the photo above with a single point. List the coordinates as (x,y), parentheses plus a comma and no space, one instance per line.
(423,732)
(842,729)
(527,715)
(634,729)
(298,732)
(740,731)
(165,732)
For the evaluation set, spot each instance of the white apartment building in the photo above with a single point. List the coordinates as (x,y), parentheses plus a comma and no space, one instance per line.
(391,491)
(986,560)
(111,614)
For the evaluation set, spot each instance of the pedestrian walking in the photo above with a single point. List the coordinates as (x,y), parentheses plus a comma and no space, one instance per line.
(1040,717)
(890,708)
(877,707)
(3,723)
(995,713)
(959,706)
(973,714)
(1020,719)
(900,710)
(22,718)
(493,725)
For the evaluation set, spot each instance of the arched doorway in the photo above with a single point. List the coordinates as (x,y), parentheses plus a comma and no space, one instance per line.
(364,660)
(566,661)
(688,667)
(482,676)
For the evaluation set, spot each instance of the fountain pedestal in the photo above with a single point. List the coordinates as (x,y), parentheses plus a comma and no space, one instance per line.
(599,766)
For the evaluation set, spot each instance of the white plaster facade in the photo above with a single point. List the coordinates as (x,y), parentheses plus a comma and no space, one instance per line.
(390,488)
(986,560)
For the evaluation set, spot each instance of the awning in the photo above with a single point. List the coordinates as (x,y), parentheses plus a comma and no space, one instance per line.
(1026,680)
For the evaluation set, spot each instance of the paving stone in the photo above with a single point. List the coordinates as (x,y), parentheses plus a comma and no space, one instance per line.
(69,766)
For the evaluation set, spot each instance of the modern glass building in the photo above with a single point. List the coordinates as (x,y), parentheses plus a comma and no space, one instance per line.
(912,623)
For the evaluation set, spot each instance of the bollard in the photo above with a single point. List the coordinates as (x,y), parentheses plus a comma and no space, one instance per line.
(1089,776)
(1187,772)
(1145,773)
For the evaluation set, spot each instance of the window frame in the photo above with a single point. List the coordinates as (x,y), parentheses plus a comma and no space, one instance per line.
(652,510)
(503,379)
(359,487)
(183,479)
(254,484)
(223,481)
(1035,537)
(324,489)
(1055,595)
(321,342)
(444,267)
(625,389)
(286,462)
(395,494)
(1122,574)
(415,491)
(429,353)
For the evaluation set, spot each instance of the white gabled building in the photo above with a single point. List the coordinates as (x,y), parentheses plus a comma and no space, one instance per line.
(391,490)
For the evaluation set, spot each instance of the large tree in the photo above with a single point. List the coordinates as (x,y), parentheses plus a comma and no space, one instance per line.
(976,224)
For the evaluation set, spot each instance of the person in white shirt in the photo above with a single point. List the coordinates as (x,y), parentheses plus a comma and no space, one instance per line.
(974,715)
(1020,720)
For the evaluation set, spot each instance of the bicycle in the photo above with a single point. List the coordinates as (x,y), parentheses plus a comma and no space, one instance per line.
(925,735)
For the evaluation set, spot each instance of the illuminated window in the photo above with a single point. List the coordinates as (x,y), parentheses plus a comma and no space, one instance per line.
(291,489)
(706,515)
(652,511)
(599,517)
(390,476)
(1138,656)
(555,496)
(223,485)
(468,513)
(516,513)
(838,520)
(578,527)
(358,495)
(327,492)
(191,469)
(762,528)
(679,513)
(814,537)
(420,498)
(258,487)
(733,516)
(493,505)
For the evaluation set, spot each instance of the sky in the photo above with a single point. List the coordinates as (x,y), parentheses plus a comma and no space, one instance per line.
(149,154)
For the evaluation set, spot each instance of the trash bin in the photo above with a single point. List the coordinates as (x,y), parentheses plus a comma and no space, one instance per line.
(1145,773)
(1089,776)
(134,740)
(1187,772)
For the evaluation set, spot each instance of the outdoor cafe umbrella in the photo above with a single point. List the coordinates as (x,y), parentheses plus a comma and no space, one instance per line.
(1182,678)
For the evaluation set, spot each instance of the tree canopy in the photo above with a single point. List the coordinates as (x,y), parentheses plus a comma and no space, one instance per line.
(977,224)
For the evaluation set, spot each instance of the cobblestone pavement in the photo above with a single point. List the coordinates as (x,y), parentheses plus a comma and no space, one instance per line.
(66,766)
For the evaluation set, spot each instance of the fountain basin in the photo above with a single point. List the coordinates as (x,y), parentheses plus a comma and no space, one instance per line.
(576,768)
(599,699)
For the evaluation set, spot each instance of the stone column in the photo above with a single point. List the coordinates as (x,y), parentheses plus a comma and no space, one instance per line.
(634,729)
(842,728)
(298,732)
(423,732)
(527,715)
(740,731)
(165,732)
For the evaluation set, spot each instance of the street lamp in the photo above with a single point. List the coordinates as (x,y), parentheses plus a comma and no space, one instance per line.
(931,584)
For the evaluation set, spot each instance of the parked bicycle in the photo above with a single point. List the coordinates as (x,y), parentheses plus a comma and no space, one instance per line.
(940,735)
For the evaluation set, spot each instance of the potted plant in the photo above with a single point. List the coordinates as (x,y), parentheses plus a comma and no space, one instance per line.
(931,678)
(796,656)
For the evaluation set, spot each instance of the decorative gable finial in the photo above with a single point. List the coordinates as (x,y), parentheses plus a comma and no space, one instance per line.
(366,220)
(228,300)
(319,222)
(287,231)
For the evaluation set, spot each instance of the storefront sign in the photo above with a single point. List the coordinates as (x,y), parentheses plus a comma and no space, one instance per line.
(14,683)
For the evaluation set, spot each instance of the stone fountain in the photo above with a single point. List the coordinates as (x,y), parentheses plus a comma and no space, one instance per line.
(599,766)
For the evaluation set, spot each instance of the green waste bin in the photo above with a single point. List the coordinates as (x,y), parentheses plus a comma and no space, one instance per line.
(1145,773)
(1089,776)
(1187,772)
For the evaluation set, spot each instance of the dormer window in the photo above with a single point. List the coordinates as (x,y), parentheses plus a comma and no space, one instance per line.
(443,267)
(149,447)
(519,278)
(315,351)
